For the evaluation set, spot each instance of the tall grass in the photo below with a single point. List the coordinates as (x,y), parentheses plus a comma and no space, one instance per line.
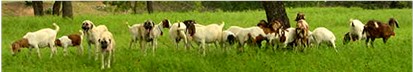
(393,56)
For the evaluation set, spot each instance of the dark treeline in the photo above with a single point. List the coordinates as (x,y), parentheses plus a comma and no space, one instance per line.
(183,6)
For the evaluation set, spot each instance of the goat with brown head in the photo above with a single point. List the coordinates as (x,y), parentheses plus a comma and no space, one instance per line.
(22,43)
(190,24)
(300,16)
(376,29)
(166,23)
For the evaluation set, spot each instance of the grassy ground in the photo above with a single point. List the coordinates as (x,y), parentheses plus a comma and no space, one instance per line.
(393,56)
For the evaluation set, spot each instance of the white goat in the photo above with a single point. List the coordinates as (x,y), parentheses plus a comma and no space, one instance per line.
(177,33)
(356,29)
(248,33)
(205,34)
(227,38)
(322,34)
(38,39)
(283,37)
(235,29)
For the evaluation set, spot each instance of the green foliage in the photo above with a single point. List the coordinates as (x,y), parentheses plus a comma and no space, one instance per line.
(393,56)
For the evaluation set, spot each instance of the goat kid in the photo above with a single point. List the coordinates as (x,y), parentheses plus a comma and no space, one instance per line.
(74,40)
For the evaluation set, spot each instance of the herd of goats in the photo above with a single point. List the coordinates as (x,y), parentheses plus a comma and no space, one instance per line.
(274,33)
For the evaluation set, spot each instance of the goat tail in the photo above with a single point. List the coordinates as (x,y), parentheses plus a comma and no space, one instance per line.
(56,26)
(222,24)
(351,19)
(127,24)
(81,33)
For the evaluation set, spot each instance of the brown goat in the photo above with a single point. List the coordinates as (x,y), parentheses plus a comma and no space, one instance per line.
(383,30)
(267,28)
(302,31)
(300,16)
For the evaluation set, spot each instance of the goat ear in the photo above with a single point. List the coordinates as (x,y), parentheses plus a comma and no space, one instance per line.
(397,24)
(98,40)
(352,24)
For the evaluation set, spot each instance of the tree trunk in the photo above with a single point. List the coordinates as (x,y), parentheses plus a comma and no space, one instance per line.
(56,7)
(275,11)
(67,9)
(38,8)
(135,5)
(149,6)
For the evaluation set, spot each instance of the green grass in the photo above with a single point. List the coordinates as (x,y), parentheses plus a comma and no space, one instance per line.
(393,56)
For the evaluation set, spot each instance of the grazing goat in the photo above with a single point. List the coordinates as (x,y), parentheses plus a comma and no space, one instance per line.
(234,29)
(251,33)
(138,34)
(268,28)
(283,37)
(376,29)
(347,38)
(38,39)
(227,37)
(322,34)
(356,29)
(71,40)
(205,34)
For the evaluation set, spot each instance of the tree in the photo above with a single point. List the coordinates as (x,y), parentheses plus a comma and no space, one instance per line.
(275,11)
(149,6)
(38,8)
(67,9)
(135,5)
(56,7)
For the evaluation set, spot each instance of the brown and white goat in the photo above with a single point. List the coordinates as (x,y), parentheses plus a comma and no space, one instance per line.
(376,29)
(71,40)
(268,28)
(302,31)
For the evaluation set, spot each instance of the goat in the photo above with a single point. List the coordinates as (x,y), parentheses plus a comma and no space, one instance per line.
(205,34)
(283,37)
(376,29)
(40,38)
(251,33)
(227,37)
(302,31)
(71,40)
(322,34)
(177,33)
(356,29)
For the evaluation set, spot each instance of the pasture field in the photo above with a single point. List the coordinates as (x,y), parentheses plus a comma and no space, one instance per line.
(395,56)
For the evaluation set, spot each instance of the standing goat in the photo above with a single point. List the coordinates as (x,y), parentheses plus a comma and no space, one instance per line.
(71,40)
(205,34)
(376,29)
(177,33)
